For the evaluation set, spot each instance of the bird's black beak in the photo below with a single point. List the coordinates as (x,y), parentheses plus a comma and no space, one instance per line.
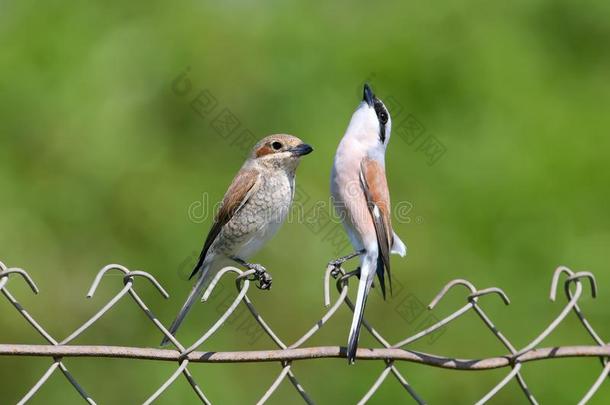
(302,150)
(368,95)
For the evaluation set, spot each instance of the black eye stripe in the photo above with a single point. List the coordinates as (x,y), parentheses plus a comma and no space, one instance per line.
(382,133)
(382,116)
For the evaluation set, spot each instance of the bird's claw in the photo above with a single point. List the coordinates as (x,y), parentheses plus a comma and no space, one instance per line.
(337,263)
(262,276)
(336,270)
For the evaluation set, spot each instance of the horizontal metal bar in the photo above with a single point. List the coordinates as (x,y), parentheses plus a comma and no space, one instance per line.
(301,354)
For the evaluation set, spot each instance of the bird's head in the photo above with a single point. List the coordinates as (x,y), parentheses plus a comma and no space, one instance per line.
(371,123)
(280,150)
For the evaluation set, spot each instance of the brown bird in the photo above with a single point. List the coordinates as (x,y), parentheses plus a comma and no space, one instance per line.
(252,210)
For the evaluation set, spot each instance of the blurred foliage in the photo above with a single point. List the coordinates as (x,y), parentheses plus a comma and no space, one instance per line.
(100,161)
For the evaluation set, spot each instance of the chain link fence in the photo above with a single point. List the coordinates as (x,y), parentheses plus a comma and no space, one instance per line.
(285,354)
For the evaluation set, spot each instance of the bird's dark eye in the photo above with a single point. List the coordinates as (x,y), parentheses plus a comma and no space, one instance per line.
(276,145)
(382,113)
(383,117)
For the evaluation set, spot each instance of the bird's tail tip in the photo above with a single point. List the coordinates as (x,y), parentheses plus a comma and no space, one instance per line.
(351,352)
(367,273)
(193,296)
(352,341)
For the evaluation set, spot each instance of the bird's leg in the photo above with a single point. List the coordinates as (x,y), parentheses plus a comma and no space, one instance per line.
(336,264)
(260,273)
(355,273)
(352,273)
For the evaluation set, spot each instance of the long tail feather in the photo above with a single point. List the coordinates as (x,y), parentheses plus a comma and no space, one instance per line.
(367,273)
(193,296)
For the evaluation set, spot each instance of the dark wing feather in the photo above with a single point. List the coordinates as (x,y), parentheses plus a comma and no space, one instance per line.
(375,186)
(238,193)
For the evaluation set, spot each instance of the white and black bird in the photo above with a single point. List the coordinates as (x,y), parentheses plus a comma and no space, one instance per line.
(362,200)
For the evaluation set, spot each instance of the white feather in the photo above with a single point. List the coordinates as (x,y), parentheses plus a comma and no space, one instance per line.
(398,247)
(368,263)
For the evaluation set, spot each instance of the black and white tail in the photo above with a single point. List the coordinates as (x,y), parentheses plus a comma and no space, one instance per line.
(368,267)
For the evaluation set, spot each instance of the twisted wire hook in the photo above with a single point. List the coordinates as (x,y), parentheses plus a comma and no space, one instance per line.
(580,275)
(4,276)
(555,280)
(449,286)
(100,274)
(138,273)
(491,290)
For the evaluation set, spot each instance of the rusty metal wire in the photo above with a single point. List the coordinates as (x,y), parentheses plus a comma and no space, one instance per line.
(286,353)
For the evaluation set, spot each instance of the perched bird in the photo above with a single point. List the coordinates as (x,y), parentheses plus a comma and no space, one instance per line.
(362,200)
(251,212)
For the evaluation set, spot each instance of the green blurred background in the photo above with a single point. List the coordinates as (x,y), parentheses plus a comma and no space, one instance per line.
(100,161)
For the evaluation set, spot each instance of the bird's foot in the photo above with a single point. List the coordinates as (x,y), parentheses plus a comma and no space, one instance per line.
(337,263)
(260,274)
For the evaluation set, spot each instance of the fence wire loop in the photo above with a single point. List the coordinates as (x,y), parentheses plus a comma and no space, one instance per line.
(491,290)
(210,289)
(137,273)
(98,278)
(580,275)
(555,280)
(5,273)
(389,354)
(450,285)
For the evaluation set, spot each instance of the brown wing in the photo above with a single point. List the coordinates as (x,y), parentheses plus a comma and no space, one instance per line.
(238,193)
(375,186)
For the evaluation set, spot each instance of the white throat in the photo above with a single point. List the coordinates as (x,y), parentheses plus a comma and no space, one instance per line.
(363,133)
